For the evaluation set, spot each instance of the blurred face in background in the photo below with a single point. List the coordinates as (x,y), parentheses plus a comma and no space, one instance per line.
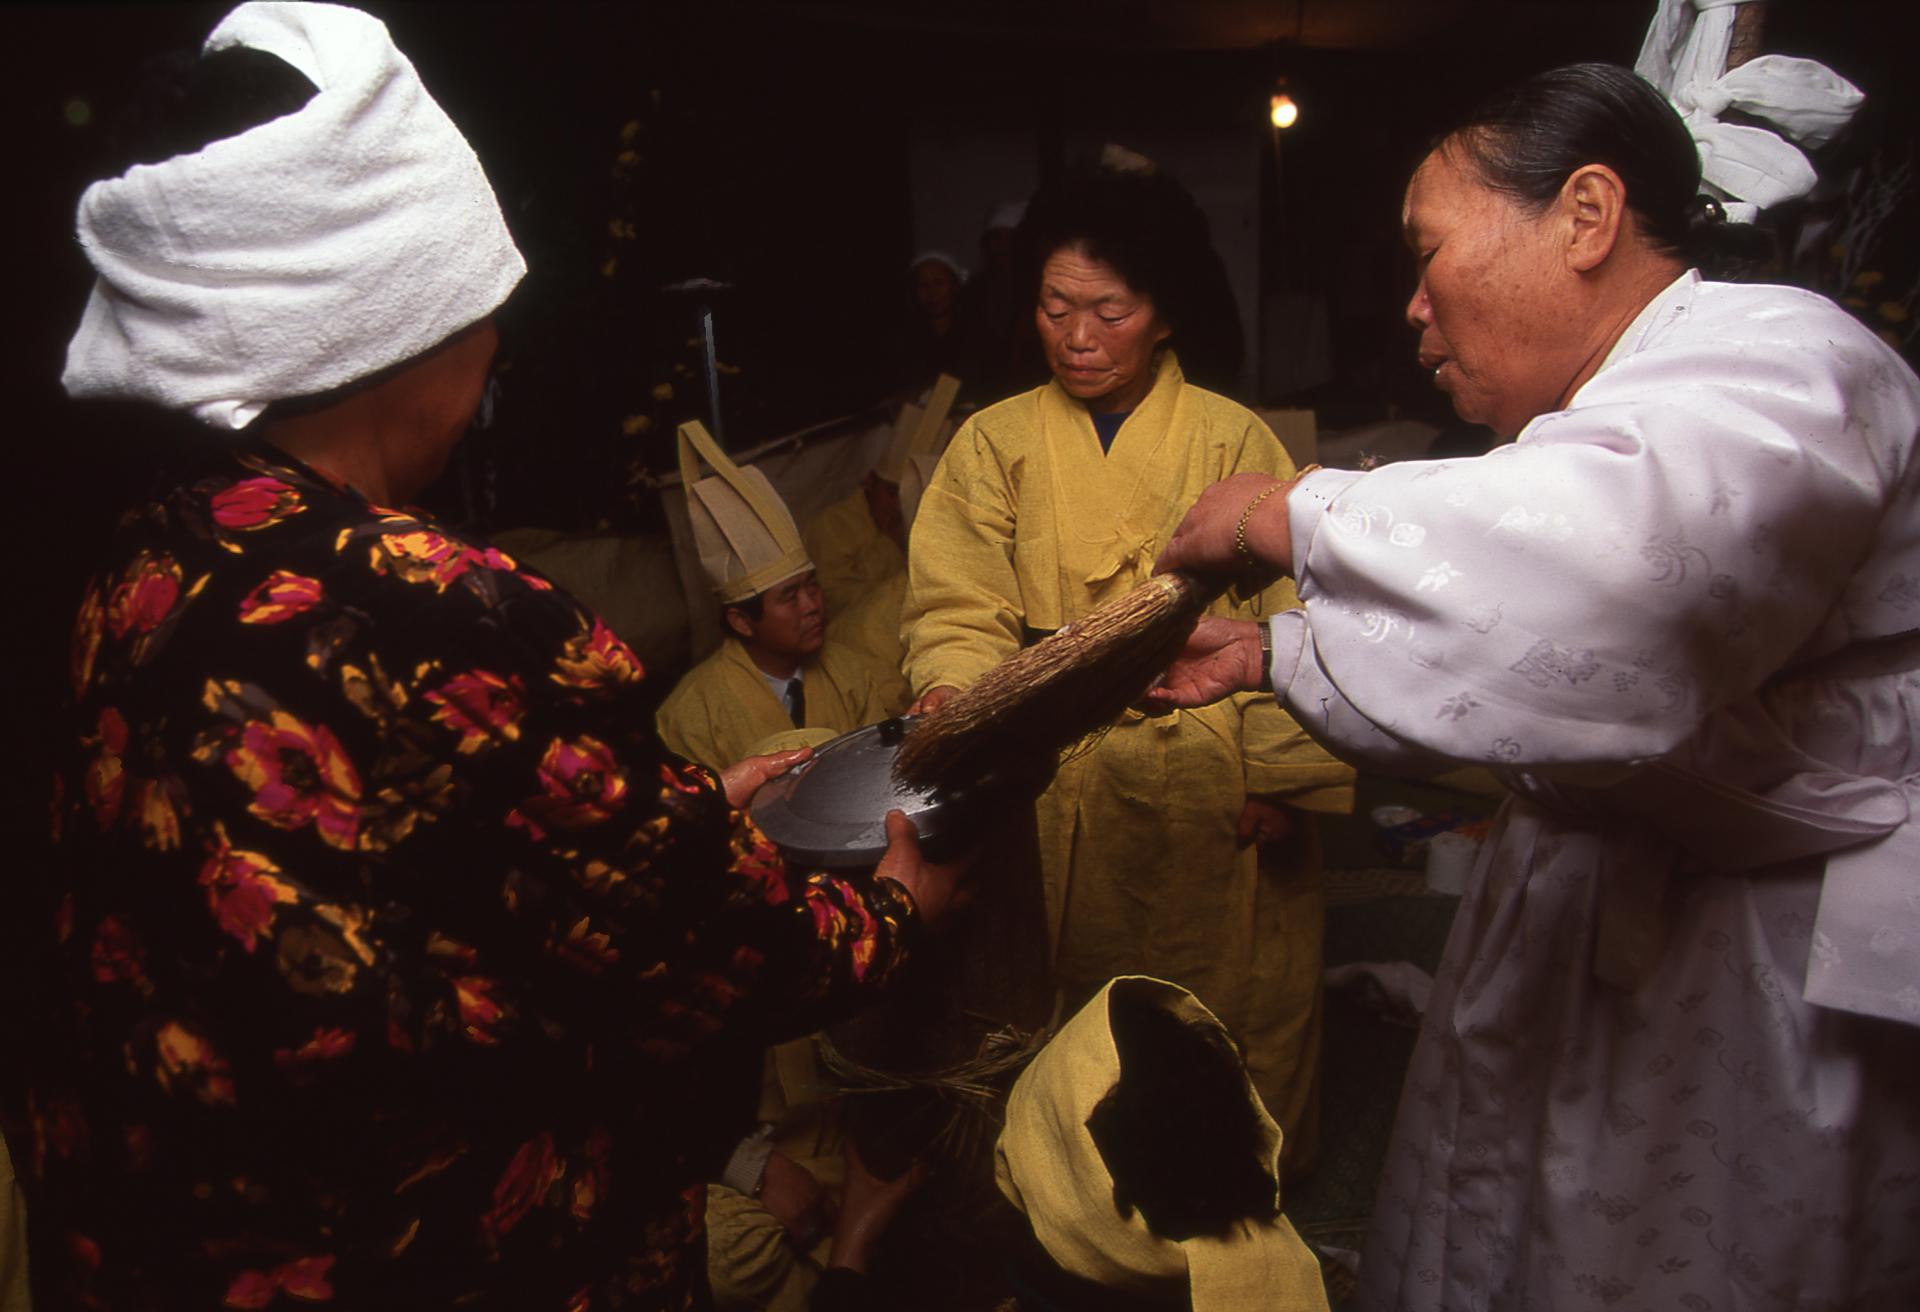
(934,289)
(1100,335)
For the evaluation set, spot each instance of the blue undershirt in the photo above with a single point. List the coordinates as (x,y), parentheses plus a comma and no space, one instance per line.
(1107,427)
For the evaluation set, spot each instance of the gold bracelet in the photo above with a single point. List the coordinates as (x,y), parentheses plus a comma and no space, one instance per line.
(1240,533)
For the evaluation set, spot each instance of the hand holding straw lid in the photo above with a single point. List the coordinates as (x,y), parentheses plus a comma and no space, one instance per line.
(1057,691)
(1239,526)
(1047,697)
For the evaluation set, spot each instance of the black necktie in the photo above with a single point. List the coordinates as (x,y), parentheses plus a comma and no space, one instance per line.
(797,702)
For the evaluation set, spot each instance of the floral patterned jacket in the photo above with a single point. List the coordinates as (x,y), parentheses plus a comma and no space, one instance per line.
(400,965)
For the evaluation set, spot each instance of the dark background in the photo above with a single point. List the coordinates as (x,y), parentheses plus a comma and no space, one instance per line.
(771,149)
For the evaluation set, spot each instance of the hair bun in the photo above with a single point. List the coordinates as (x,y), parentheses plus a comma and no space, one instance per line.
(1705,214)
(1721,248)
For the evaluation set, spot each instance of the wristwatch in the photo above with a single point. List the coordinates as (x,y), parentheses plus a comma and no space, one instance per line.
(1266,654)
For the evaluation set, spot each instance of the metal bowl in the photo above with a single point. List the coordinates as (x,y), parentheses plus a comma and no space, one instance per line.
(831,810)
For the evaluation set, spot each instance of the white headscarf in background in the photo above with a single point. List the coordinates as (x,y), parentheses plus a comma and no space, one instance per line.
(301,255)
(957,269)
(1006,216)
(1685,56)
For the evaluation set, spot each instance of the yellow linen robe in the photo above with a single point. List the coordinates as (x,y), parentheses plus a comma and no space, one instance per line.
(849,552)
(871,627)
(1027,525)
(722,708)
(13,1240)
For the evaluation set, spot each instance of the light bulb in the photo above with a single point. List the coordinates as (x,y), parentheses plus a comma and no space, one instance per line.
(1284,112)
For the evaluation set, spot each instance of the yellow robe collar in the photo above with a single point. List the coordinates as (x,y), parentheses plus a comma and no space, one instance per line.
(1118,496)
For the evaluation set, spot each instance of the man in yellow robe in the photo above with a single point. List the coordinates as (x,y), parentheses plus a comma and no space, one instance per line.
(1029,524)
(726,707)
(776,675)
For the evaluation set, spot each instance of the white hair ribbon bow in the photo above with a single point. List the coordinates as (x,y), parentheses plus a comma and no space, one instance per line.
(1683,55)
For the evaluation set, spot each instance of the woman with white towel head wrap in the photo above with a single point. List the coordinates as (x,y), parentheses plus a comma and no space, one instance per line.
(393,962)
(1671,1057)
(307,253)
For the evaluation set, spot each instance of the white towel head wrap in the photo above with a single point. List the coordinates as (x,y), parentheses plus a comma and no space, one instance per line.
(301,255)
(1685,56)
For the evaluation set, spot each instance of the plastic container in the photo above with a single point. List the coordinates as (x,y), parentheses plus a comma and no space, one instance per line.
(1450,858)
(1405,832)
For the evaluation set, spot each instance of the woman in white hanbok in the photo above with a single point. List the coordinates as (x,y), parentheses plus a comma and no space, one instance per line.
(1670,1059)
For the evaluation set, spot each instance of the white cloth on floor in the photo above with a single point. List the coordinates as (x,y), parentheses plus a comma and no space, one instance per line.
(1397,989)
(301,255)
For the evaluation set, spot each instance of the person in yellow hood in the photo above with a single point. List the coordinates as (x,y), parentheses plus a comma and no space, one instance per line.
(858,543)
(871,624)
(775,681)
(1051,503)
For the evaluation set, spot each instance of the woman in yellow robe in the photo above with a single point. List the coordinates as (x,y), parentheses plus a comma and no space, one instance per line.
(1033,519)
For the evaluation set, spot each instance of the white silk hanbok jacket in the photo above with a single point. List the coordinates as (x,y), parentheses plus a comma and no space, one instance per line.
(1671,1057)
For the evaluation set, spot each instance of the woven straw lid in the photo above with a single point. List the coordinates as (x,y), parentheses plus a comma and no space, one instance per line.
(919,429)
(1049,1167)
(744,532)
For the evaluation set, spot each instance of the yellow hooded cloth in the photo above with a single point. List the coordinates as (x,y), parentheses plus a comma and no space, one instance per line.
(1048,1165)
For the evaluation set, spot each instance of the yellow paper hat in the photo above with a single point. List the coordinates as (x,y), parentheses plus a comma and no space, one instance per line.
(1049,1167)
(919,429)
(743,531)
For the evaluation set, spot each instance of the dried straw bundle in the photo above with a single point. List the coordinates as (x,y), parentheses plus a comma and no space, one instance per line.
(1044,699)
(971,1095)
